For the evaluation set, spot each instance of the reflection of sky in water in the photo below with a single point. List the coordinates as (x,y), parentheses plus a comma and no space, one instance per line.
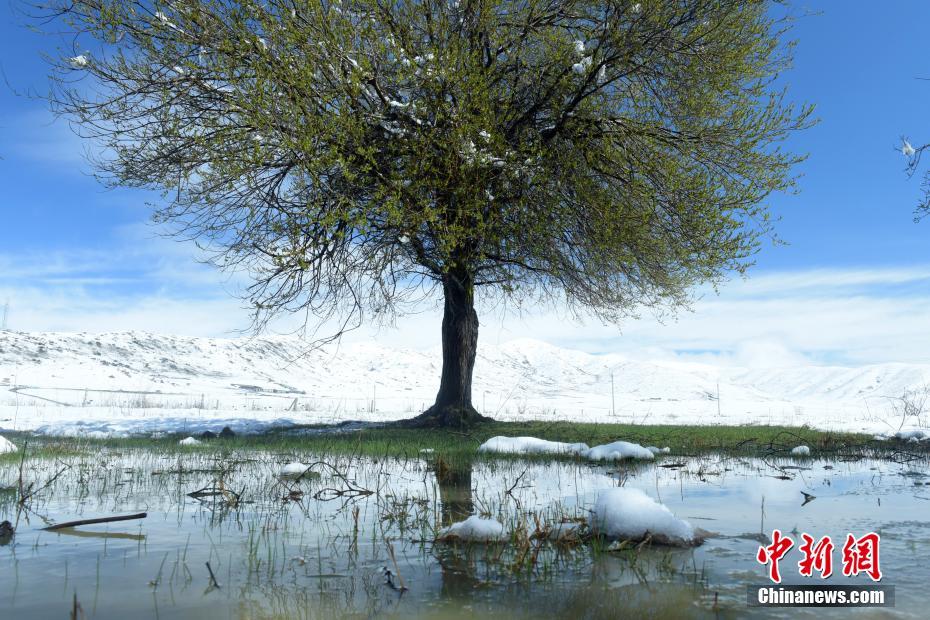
(275,556)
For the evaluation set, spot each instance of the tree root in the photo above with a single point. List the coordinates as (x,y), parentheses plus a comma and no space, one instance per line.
(447,416)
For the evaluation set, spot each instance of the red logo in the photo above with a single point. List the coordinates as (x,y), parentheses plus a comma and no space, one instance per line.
(860,555)
(817,557)
(773,553)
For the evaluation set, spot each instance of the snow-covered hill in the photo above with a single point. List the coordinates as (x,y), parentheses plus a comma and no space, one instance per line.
(139,382)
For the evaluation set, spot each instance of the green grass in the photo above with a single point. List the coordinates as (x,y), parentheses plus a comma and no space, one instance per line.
(455,445)
(45,447)
(681,439)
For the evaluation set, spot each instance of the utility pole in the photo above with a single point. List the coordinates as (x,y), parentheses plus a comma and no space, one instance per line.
(613,402)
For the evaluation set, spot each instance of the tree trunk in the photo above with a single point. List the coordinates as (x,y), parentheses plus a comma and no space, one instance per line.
(453,406)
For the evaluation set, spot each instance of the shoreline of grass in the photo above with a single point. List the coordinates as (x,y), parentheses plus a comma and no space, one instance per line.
(393,441)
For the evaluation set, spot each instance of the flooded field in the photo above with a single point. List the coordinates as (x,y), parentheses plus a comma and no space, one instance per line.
(355,537)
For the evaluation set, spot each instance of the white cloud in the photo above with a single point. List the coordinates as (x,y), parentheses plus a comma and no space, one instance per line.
(788,318)
(73,310)
(827,279)
(828,317)
(844,316)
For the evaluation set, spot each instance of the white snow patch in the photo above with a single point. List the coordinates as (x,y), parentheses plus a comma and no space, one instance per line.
(189,441)
(530,445)
(582,67)
(619,450)
(78,62)
(6,446)
(801,451)
(630,514)
(913,436)
(292,470)
(473,529)
(656,450)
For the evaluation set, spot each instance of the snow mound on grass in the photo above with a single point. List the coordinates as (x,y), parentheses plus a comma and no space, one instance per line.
(530,445)
(656,450)
(292,470)
(619,450)
(473,529)
(189,441)
(630,514)
(913,436)
(6,445)
(801,451)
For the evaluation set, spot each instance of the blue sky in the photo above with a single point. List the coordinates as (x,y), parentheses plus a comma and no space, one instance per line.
(851,286)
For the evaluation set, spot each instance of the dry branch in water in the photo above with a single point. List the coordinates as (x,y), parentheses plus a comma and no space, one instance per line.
(60,526)
(213,582)
(217,489)
(349,491)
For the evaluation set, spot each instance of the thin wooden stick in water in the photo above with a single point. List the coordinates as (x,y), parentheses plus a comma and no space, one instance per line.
(59,526)
(212,577)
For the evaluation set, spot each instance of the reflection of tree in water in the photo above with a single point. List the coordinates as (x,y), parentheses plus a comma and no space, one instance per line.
(466,569)
(455,493)
(456,503)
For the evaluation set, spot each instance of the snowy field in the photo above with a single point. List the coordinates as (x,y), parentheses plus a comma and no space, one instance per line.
(134,382)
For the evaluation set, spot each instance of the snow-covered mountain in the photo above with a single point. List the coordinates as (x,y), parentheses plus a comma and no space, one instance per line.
(141,382)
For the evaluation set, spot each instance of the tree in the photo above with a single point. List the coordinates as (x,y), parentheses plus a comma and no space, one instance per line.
(913,156)
(356,156)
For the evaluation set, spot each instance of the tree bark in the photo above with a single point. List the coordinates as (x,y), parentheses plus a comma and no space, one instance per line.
(453,406)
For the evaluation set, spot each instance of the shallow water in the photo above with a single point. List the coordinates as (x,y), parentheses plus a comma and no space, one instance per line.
(321,554)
